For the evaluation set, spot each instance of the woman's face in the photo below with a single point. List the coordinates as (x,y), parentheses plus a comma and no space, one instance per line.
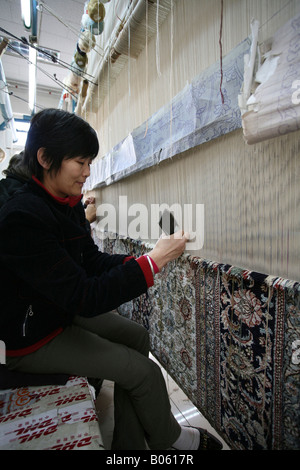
(70,177)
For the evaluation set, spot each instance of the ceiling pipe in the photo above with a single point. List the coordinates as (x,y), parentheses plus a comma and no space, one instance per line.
(117,50)
(110,55)
(5,106)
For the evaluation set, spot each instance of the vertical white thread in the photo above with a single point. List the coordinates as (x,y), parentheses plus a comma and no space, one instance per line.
(108,101)
(129,45)
(147,71)
(157,42)
(171,78)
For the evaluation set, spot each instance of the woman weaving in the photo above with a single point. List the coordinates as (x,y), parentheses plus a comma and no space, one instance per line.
(58,291)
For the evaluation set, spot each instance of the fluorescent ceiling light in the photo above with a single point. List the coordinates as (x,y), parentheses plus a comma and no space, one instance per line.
(32,78)
(26,13)
(22,127)
(44,54)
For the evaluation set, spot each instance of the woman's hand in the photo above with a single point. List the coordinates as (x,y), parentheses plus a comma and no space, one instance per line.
(90,213)
(168,248)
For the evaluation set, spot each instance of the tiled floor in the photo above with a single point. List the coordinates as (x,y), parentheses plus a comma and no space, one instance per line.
(183,410)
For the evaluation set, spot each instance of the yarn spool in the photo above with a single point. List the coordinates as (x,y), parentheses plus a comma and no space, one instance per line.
(2,155)
(80,58)
(70,85)
(86,41)
(76,69)
(92,26)
(96,10)
(84,88)
(3,46)
(72,81)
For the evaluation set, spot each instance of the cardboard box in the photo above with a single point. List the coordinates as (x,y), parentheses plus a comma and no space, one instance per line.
(50,417)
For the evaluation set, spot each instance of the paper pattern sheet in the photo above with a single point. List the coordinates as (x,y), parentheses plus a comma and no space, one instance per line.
(273,109)
(195,115)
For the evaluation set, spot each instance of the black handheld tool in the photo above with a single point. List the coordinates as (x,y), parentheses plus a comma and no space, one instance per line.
(167,222)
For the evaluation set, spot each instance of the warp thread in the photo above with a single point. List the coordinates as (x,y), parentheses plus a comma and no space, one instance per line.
(220,43)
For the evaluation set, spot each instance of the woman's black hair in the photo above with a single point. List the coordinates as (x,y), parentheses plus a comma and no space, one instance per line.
(62,135)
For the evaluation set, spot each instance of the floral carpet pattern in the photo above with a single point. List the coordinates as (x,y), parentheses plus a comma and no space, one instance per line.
(231,339)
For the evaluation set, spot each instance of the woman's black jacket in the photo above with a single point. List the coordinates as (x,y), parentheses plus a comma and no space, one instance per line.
(51,270)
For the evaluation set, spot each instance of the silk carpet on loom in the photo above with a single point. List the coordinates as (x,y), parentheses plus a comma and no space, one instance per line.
(230,339)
